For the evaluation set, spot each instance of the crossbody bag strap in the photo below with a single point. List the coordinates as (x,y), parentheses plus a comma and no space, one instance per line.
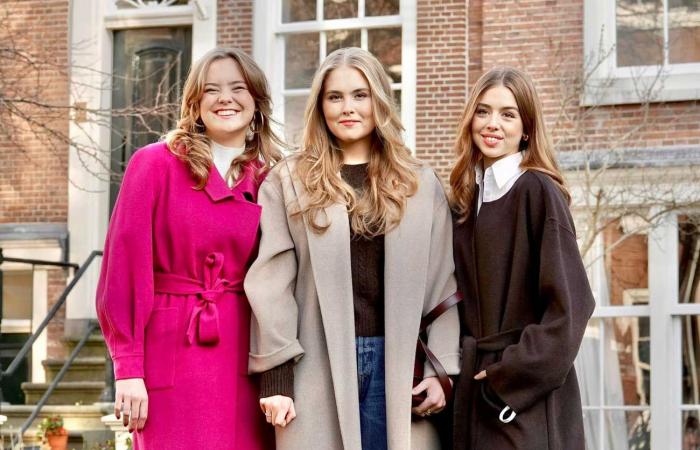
(429,318)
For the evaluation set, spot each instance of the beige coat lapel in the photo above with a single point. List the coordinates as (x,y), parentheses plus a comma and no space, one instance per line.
(405,271)
(330,264)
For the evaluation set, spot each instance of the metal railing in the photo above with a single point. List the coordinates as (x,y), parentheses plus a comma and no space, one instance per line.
(16,439)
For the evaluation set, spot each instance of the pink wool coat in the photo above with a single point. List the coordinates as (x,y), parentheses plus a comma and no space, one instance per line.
(171,305)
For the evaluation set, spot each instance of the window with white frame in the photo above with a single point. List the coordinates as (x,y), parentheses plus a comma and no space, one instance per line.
(299,34)
(640,51)
(647,321)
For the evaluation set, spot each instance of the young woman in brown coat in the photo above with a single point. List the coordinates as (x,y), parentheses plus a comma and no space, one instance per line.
(356,247)
(527,297)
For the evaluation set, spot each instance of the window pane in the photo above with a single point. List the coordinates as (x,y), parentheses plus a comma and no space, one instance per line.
(339,9)
(587,365)
(627,370)
(621,346)
(626,262)
(691,359)
(342,38)
(301,59)
(385,44)
(294,119)
(381,7)
(684,31)
(628,430)
(691,431)
(639,32)
(298,10)
(591,429)
(397,101)
(17,295)
(689,259)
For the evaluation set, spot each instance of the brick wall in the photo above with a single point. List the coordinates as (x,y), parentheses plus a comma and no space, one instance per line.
(56,284)
(545,38)
(33,165)
(235,24)
(441,79)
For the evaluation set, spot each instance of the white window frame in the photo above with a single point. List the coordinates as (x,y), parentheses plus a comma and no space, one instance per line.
(268,51)
(665,313)
(92,23)
(612,85)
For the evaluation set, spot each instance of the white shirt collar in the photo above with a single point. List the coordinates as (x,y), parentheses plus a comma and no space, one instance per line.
(503,170)
(497,180)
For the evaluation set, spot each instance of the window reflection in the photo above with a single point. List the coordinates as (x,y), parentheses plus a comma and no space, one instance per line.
(339,9)
(684,31)
(342,38)
(688,276)
(639,32)
(298,10)
(301,59)
(381,7)
(385,44)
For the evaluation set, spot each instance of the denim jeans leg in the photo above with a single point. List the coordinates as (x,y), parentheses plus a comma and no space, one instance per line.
(370,367)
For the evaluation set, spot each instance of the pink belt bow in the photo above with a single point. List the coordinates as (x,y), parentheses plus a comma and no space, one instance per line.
(204,320)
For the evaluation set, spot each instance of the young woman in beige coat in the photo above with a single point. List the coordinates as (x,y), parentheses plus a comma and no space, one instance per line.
(356,247)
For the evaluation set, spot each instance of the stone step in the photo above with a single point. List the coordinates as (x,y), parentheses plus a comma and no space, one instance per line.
(66,393)
(85,429)
(94,347)
(90,368)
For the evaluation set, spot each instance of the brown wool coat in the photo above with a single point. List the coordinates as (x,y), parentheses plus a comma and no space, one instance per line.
(527,302)
(300,291)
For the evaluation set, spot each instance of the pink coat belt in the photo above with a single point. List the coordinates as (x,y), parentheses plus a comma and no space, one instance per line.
(204,320)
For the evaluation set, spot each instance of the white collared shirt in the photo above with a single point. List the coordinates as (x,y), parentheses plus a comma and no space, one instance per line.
(498,179)
(223,157)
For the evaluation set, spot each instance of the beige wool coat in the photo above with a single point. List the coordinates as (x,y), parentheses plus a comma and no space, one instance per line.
(300,292)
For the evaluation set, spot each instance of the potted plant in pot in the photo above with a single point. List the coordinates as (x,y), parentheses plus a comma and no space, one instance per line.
(51,431)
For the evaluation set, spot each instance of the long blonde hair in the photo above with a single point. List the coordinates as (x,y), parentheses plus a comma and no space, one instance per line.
(540,154)
(392,176)
(188,140)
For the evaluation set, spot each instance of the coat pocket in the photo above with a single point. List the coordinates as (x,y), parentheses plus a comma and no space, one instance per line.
(160,349)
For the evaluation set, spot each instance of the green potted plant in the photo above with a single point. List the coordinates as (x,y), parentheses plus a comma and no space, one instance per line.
(51,431)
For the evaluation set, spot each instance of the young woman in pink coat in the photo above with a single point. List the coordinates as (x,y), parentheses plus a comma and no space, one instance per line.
(170,298)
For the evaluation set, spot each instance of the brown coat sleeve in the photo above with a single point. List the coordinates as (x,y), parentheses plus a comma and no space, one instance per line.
(542,359)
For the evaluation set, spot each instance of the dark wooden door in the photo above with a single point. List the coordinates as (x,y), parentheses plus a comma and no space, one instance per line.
(149,70)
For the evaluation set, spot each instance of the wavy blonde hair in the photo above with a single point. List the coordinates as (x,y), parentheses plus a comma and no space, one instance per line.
(540,154)
(392,171)
(188,140)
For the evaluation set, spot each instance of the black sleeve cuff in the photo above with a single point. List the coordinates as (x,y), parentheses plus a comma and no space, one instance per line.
(278,381)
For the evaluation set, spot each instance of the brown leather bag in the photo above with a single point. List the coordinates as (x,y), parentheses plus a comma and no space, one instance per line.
(423,353)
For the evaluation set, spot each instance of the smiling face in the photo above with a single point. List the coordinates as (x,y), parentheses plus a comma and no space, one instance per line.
(497,127)
(347,108)
(226,106)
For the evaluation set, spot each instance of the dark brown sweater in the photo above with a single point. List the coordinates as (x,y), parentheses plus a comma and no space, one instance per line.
(527,303)
(367,267)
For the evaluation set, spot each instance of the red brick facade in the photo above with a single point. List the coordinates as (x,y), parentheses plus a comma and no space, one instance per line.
(441,78)
(545,38)
(235,24)
(34,175)
(56,285)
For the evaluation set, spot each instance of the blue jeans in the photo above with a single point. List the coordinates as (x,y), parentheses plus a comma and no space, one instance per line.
(370,383)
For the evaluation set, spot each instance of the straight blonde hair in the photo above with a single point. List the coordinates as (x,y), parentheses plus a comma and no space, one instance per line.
(539,155)
(392,171)
(190,143)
